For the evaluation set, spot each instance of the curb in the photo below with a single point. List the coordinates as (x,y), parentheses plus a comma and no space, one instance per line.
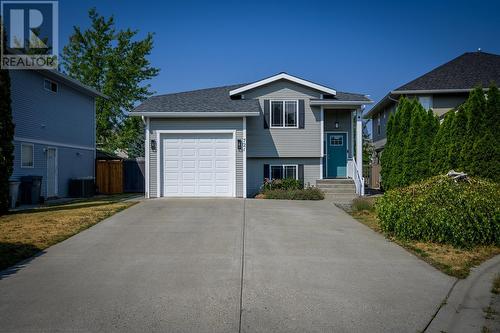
(463,311)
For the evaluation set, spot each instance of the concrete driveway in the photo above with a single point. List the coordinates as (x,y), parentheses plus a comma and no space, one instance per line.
(176,266)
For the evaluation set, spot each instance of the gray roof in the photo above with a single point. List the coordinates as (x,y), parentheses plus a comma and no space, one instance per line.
(464,73)
(215,100)
(345,96)
(203,100)
(467,71)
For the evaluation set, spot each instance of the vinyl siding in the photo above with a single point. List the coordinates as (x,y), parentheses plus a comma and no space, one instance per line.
(71,162)
(66,117)
(255,171)
(195,124)
(284,142)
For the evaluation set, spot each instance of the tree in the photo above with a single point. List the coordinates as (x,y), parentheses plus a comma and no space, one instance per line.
(439,161)
(484,155)
(6,138)
(386,157)
(475,109)
(115,63)
(457,133)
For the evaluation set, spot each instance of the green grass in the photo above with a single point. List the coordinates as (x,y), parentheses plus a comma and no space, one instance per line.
(26,233)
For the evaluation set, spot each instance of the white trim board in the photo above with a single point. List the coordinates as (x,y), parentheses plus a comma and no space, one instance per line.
(147,147)
(283,76)
(52,143)
(244,147)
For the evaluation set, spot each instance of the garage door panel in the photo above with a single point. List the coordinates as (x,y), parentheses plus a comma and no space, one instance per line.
(198,164)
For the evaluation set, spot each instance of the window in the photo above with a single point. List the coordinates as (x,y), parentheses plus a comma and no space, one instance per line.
(284,113)
(426,102)
(378,124)
(50,85)
(26,155)
(336,140)
(283,171)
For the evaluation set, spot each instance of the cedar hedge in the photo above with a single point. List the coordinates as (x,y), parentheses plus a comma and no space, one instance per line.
(463,213)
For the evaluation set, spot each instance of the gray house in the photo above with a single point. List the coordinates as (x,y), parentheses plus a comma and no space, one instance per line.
(225,141)
(54,136)
(442,89)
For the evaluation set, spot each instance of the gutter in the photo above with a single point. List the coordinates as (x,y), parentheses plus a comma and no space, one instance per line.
(194,114)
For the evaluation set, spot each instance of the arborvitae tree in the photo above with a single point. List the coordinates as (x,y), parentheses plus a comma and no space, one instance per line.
(6,137)
(475,109)
(457,134)
(386,157)
(415,156)
(484,156)
(438,157)
(491,117)
(403,117)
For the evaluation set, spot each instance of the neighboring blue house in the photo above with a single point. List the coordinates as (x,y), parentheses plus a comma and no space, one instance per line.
(54,135)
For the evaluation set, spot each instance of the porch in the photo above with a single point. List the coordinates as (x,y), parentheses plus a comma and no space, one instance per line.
(342,142)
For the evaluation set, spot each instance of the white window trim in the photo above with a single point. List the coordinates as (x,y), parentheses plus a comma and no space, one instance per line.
(51,81)
(283,168)
(32,155)
(283,101)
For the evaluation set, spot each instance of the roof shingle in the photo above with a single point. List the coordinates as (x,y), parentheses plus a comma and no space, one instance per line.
(467,71)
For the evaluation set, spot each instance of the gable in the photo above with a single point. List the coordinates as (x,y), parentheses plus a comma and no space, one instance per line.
(283,76)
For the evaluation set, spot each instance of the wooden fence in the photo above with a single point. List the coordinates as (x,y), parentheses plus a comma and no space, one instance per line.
(117,176)
(109,177)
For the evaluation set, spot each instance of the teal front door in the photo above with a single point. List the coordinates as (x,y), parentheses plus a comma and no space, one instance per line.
(336,155)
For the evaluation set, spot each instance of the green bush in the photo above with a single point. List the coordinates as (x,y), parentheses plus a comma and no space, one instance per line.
(282,184)
(310,193)
(462,213)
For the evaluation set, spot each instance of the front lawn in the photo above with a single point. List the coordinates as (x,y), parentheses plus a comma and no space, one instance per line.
(451,260)
(23,234)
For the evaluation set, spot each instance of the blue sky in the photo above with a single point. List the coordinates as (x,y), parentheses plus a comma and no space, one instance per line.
(356,46)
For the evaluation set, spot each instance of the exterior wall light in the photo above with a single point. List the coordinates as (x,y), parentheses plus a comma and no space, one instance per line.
(336,124)
(153,145)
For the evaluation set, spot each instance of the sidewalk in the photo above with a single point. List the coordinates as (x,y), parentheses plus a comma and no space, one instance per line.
(464,308)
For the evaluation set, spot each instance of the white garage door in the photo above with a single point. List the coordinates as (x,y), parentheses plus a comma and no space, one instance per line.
(198,164)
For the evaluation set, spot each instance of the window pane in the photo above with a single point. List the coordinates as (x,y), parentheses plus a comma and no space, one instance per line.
(276,114)
(26,155)
(336,140)
(291,171)
(291,113)
(276,172)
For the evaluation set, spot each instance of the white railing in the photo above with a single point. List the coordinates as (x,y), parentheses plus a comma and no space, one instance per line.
(357,176)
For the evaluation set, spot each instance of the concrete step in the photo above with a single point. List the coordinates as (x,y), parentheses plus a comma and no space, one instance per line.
(335,181)
(339,186)
(339,190)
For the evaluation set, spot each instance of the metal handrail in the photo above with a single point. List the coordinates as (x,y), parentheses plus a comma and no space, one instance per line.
(359,181)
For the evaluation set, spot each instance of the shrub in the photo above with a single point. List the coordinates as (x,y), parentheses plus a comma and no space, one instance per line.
(462,213)
(310,193)
(363,204)
(282,184)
